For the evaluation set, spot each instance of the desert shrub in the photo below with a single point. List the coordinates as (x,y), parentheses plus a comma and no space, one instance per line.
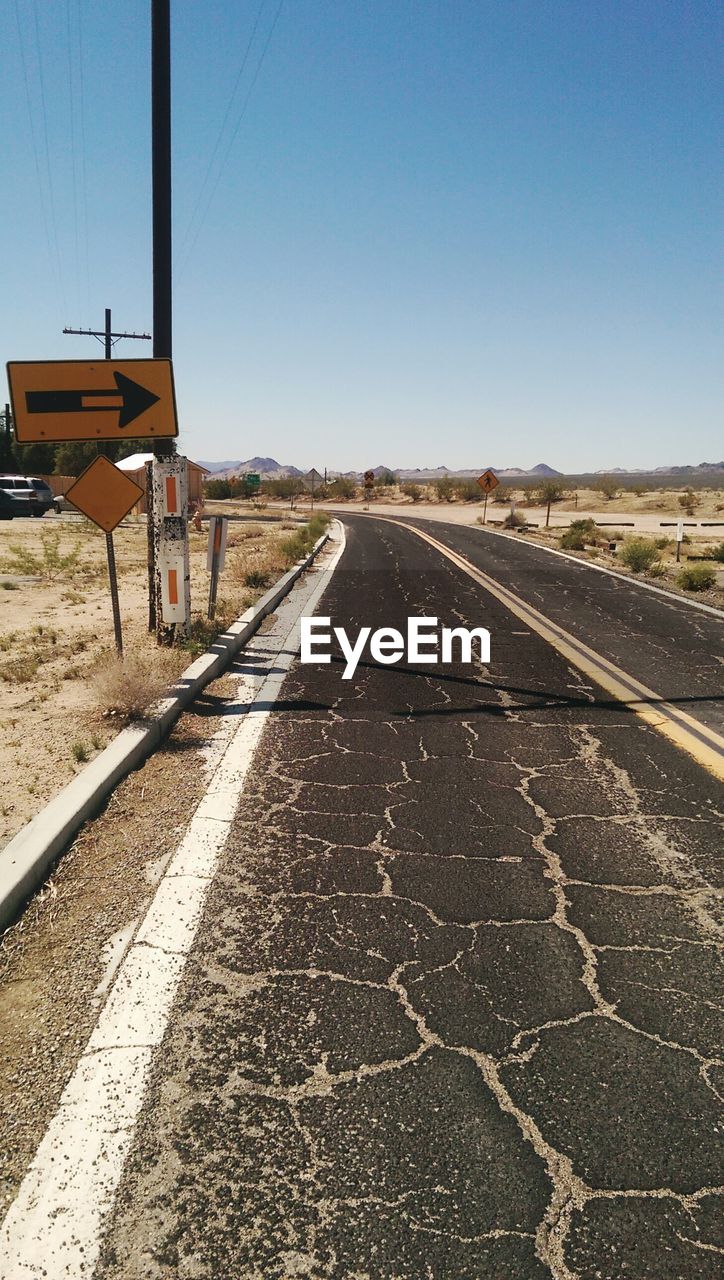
(662,544)
(657,569)
(468,491)
(501,495)
(412,491)
(697,577)
(284,487)
(689,501)
(260,575)
(717,553)
(21,669)
(549,491)
(638,554)
(343,487)
(300,543)
(608,487)
(445,489)
(578,534)
(386,479)
(514,520)
(128,687)
(50,564)
(217,489)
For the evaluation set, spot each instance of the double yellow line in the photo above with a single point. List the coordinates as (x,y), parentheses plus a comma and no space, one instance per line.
(690,735)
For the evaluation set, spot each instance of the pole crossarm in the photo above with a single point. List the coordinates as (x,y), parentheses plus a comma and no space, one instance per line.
(102,335)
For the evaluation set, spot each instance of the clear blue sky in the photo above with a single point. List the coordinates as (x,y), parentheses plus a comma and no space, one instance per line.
(439,231)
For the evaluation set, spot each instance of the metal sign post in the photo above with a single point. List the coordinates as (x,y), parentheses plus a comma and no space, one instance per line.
(216,556)
(369,485)
(679,539)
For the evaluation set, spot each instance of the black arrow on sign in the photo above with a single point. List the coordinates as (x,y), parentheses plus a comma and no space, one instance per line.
(135,400)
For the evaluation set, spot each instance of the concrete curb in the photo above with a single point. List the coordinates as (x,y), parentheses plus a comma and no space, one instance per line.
(25,860)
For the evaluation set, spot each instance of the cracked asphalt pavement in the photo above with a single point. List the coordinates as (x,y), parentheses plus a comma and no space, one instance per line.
(453,1007)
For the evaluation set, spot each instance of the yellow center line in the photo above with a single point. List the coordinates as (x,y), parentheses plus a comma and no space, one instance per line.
(690,735)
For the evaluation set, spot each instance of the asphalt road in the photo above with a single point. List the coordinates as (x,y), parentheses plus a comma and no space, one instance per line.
(666,644)
(452,1008)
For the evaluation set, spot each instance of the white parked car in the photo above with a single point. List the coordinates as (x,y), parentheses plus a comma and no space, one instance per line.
(31,494)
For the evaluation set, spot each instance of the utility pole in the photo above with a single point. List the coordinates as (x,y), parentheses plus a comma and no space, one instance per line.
(107,336)
(166,476)
(109,340)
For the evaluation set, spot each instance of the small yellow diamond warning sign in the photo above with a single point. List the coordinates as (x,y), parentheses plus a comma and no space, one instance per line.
(488,481)
(104,494)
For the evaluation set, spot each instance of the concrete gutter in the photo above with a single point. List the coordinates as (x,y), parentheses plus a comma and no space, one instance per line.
(25,860)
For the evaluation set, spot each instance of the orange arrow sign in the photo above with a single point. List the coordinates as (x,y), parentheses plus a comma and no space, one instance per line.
(107,400)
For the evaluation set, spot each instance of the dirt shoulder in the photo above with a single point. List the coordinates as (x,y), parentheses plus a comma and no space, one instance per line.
(57,644)
(58,959)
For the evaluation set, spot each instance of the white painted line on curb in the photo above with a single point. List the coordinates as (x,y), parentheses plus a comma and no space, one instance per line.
(54,1226)
(26,858)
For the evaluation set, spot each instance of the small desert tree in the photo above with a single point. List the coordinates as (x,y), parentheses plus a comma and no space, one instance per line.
(549,492)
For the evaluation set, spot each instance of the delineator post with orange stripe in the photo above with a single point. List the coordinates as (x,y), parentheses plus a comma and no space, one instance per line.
(170,497)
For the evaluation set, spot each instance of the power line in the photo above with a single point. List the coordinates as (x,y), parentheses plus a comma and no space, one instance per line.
(234,134)
(41,192)
(202,188)
(73,149)
(83,177)
(53,219)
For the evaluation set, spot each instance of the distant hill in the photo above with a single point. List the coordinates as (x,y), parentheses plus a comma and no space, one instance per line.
(267,467)
(270,469)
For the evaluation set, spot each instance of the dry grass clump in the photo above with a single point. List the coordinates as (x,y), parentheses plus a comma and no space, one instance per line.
(697,577)
(244,534)
(126,688)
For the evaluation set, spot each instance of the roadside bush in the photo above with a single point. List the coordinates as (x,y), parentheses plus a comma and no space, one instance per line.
(50,564)
(689,501)
(697,577)
(300,543)
(608,487)
(638,554)
(549,491)
(412,491)
(578,534)
(717,553)
(445,489)
(657,570)
(285,487)
(662,544)
(468,491)
(343,488)
(514,521)
(128,687)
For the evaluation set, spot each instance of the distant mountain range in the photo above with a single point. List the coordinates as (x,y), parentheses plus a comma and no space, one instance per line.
(273,470)
(270,469)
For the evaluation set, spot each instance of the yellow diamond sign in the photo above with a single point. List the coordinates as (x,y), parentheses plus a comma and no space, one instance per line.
(104,494)
(488,481)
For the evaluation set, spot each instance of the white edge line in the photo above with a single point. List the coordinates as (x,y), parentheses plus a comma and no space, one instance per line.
(59,1212)
(589,564)
(25,859)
